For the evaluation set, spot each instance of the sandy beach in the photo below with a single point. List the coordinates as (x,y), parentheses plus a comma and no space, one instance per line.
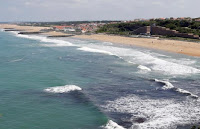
(32,29)
(23,28)
(182,47)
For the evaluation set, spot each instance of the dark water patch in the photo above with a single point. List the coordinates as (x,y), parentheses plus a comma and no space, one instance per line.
(102,92)
(139,120)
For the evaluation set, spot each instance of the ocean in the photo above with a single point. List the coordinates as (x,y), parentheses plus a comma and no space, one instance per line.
(69,83)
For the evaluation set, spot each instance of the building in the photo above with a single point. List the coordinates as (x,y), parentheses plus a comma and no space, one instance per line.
(58,28)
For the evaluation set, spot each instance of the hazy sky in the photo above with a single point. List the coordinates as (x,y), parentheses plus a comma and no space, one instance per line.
(65,10)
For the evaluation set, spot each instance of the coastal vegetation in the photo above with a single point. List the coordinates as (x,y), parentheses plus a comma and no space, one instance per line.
(123,28)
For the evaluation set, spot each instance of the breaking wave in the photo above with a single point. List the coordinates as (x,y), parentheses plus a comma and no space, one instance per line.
(14,32)
(134,56)
(63,89)
(130,55)
(94,50)
(156,113)
(112,125)
(168,85)
(144,68)
(57,43)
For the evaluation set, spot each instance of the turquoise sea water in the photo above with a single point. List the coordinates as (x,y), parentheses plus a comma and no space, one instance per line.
(132,86)
(26,70)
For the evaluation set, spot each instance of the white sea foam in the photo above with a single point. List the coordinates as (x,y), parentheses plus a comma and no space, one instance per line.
(34,37)
(157,54)
(107,43)
(168,85)
(14,32)
(167,67)
(57,43)
(112,125)
(94,50)
(156,63)
(63,89)
(131,55)
(184,61)
(159,114)
(144,68)
(173,68)
(187,93)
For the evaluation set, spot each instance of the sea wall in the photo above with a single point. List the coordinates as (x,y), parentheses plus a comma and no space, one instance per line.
(144,30)
(157,30)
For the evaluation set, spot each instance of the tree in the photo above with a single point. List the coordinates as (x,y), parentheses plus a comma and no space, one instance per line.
(171,26)
(184,23)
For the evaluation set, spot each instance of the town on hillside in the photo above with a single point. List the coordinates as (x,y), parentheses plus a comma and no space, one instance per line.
(184,27)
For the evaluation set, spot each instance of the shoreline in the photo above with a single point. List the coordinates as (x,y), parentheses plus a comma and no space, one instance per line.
(175,46)
(169,45)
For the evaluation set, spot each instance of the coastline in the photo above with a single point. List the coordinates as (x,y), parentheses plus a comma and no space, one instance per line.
(155,68)
(32,29)
(181,47)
